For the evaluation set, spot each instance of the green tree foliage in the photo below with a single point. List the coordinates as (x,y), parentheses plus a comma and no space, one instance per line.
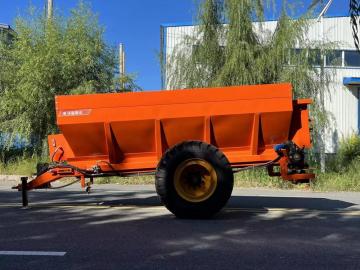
(126,83)
(349,151)
(243,52)
(205,48)
(49,57)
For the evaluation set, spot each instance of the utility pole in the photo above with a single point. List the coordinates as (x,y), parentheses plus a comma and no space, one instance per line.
(122,65)
(49,9)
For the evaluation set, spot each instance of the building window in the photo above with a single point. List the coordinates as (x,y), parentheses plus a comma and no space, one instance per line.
(352,59)
(334,58)
(296,56)
(312,56)
(315,58)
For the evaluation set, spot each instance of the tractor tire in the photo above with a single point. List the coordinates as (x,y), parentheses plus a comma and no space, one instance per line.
(194,180)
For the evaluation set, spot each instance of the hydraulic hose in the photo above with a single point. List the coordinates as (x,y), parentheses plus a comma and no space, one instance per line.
(66,185)
(257,165)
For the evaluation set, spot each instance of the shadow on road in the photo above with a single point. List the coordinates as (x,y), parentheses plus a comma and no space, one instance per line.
(288,202)
(149,198)
(251,231)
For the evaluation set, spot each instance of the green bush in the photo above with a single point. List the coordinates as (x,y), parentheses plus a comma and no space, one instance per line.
(49,57)
(259,178)
(347,180)
(20,166)
(349,150)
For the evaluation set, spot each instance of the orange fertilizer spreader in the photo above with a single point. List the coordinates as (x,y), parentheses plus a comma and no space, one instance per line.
(192,140)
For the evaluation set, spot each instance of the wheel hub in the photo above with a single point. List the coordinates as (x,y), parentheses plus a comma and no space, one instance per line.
(195,180)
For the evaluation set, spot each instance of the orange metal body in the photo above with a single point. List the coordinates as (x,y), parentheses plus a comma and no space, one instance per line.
(129,132)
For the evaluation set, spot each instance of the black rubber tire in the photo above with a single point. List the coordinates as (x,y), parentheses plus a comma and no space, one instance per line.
(164,180)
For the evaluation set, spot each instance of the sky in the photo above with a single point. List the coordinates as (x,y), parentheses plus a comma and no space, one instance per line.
(136,24)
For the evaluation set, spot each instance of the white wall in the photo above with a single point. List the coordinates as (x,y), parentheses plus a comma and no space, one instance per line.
(342,102)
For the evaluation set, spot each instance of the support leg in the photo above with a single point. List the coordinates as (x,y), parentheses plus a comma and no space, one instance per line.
(88,185)
(24,191)
(82,181)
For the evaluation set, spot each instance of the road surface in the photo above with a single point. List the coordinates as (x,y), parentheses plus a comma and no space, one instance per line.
(125,227)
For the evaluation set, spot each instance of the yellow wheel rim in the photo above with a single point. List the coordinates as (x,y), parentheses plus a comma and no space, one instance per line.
(195,180)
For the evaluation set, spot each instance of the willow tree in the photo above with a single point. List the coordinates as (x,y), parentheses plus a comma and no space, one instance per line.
(48,57)
(205,49)
(243,51)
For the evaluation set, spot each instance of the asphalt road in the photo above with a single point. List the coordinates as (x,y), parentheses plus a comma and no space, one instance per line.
(125,227)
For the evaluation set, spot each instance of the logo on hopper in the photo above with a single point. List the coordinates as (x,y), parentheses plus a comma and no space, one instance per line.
(76,112)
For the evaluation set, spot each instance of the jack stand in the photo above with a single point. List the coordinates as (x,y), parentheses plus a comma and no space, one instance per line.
(88,185)
(24,191)
(88,188)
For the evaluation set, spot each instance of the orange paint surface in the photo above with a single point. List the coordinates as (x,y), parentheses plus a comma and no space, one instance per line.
(132,130)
